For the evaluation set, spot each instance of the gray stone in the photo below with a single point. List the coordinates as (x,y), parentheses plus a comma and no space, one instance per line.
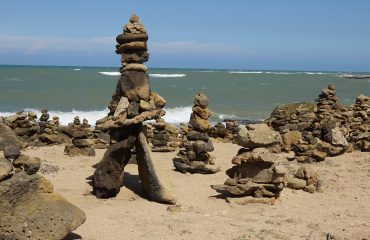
(12,152)
(257,135)
(8,138)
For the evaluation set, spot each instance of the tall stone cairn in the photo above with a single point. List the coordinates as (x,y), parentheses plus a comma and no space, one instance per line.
(132,103)
(360,126)
(195,157)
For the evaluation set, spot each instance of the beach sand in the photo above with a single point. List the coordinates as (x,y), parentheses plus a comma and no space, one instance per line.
(342,210)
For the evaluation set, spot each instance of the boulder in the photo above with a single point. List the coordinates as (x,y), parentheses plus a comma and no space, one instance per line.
(201,100)
(257,135)
(199,123)
(12,152)
(29,164)
(30,210)
(6,168)
(8,138)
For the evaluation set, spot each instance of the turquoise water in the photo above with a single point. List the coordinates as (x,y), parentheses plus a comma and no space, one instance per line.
(232,93)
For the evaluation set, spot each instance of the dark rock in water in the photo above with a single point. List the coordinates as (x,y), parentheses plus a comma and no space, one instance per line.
(134,85)
(29,164)
(30,210)
(108,176)
(8,138)
(12,152)
(6,168)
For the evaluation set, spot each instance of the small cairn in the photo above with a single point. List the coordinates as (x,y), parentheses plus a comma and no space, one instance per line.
(23,124)
(51,131)
(195,157)
(304,179)
(81,140)
(360,125)
(161,137)
(256,175)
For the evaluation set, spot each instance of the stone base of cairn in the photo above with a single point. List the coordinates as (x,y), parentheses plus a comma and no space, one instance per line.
(82,143)
(255,176)
(304,179)
(195,157)
(360,125)
(165,137)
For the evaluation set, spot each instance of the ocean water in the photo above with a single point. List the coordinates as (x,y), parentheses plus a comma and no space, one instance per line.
(246,94)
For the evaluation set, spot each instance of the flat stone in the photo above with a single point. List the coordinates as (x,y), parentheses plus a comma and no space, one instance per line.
(257,135)
(12,152)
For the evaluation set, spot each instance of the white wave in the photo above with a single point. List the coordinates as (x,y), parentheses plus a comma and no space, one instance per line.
(77,69)
(177,115)
(313,73)
(227,116)
(255,72)
(164,75)
(12,80)
(282,73)
(67,117)
(111,73)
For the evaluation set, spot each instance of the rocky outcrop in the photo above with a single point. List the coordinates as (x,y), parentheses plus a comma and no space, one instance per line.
(194,158)
(23,124)
(132,103)
(256,172)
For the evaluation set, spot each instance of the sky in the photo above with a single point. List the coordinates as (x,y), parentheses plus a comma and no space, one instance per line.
(331,35)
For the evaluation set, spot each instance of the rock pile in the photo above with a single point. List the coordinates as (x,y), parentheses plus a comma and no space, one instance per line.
(255,173)
(163,136)
(293,117)
(305,179)
(360,125)
(131,104)
(24,125)
(51,131)
(82,143)
(29,208)
(195,157)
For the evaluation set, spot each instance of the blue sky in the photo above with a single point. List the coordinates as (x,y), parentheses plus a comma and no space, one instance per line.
(237,34)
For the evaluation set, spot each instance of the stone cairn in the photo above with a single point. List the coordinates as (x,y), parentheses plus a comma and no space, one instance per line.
(82,142)
(164,138)
(195,157)
(29,208)
(256,175)
(23,124)
(51,131)
(360,126)
(132,103)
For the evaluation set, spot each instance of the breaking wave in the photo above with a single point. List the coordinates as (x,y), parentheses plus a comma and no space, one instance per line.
(164,75)
(111,73)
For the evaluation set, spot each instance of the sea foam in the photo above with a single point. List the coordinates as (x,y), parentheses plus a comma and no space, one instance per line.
(111,73)
(165,75)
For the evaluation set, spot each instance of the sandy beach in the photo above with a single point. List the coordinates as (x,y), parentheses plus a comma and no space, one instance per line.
(340,211)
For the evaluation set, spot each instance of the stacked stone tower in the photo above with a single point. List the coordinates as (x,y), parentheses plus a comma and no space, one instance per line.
(132,103)
(195,157)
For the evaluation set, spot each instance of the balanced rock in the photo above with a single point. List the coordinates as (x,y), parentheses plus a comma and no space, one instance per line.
(194,158)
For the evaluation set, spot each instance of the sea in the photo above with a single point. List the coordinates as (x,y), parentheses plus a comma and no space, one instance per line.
(233,93)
